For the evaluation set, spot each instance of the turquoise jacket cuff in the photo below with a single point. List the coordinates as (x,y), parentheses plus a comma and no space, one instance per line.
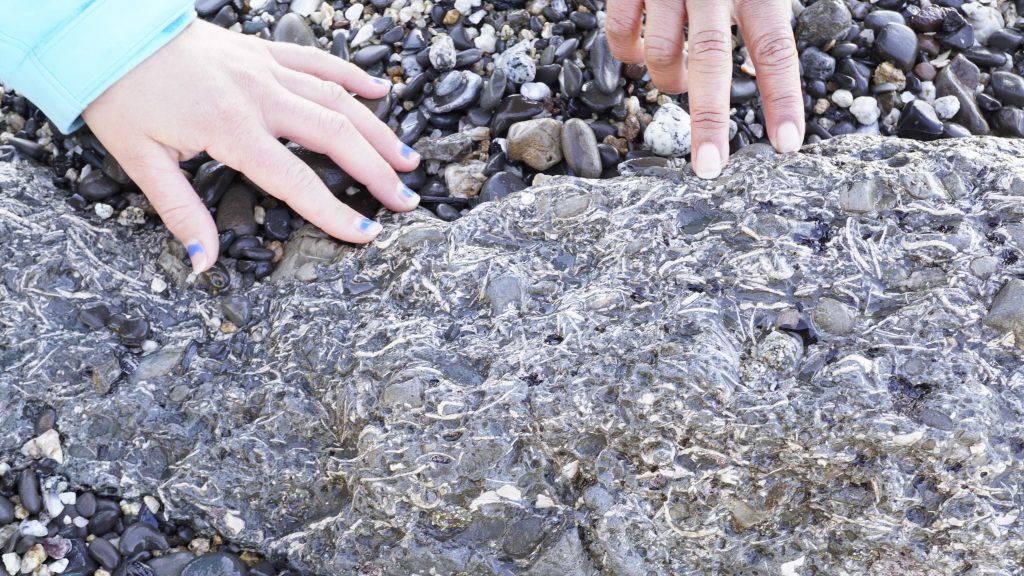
(62,54)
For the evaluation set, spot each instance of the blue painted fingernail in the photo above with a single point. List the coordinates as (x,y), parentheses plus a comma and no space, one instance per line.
(406,150)
(197,256)
(369,226)
(194,248)
(379,80)
(407,192)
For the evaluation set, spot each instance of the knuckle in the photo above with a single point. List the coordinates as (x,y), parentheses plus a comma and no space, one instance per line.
(660,50)
(710,47)
(332,92)
(706,120)
(330,122)
(177,215)
(774,51)
(621,24)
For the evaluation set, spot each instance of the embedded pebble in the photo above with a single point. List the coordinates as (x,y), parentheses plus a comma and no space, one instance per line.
(669,134)
(536,143)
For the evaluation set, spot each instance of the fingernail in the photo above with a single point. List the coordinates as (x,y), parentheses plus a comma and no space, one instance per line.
(368,226)
(197,255)
(407,193)
(406,151)
(379,80)
(708,163)
(788,138)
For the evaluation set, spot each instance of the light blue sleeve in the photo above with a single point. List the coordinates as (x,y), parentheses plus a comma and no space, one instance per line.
(62,54)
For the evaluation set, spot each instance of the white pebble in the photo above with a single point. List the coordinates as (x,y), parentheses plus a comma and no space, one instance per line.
(865,109)
(304,7)
(53,504)
(362,35)
(842,98)
(33,558)
(33,528)
(259,213)
(927,92)
(234,524)
(354,12)
(103,210)
(46,445)
(80,522)
(59,566)
(12,563)
(157,285)
(536,91)
(947,106)
(486,41)
(669,134)
(149,346)
(68,498)
(152,504)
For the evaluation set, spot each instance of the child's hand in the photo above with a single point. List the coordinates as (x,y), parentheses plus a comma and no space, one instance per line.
(769,38)
(234,96)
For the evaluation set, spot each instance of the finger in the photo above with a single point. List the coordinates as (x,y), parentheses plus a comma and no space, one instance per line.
(663,45)
(769,38)
(328,132)
(281,174)
(329,67)
(622,25)
(334,97)
(155,169)
(710,78)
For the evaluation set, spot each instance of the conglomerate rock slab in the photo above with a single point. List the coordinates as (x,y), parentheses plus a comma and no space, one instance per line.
(787,370)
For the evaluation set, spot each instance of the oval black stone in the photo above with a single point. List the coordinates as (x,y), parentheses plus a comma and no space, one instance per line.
(104,552)
(28,491)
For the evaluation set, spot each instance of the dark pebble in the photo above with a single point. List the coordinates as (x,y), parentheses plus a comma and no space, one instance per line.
(609,155)
(605,69)
(447,213)
(1008,88)
(250,248)
(277,223)
(570,79)
(28,491)
(1009,121)
(210,7)
(79,560)
(104,552)
(393,36)
(293,28)
(133,331)
(86,504)
(597,100)
(97,186)
(94,315)
(47,420)
(897,43)
(370,55)
(500,185)
(216,564)
(6,511)
(411,126)
(103,521)
(134,568)
(985,57)
(212,180)
(493,90)
(511,110)
(170,564)
(142,538)
(919,122)
(29,148)
(235,210)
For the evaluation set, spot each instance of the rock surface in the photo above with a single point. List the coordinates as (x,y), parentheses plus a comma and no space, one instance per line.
(617,377)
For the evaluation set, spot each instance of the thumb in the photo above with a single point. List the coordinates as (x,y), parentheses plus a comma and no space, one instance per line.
(155,169)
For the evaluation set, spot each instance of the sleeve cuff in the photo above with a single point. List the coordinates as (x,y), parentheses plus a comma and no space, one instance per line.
(71,68)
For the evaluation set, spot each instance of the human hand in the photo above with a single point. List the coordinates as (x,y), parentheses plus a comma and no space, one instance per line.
(234,96)
(766,29)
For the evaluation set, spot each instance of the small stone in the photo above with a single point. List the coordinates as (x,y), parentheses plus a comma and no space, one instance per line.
(304,7)
(834,317)
(442,53)
(500,185)
(983,267)
(946,107)
(12,563)
(216,564)
(669,134)
(6,511)
(536,142)
(919,122)
(102,210)
(579,147)
(1007,311)
(445,149)
(294,29)
(33,559)
(465,180)
(517,64)
(536,91)
(842,98)
(865,109)
(28,491)
(823,22)
(46,445)
(1008,87)
(102,551)
(97,186)
(897,43)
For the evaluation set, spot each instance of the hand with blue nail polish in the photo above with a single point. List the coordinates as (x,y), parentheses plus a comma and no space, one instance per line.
(235,97)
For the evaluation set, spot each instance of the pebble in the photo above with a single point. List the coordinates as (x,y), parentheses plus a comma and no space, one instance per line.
(865,109)
(465,179)
(842,98)
(500,185)
(897,43)
(28,491)
(442,52)
(511,110)
(668,134)
(6,511)
(293,28)
(579,147)
(606,70)
(97,186)
(823,22)
(536,142)
(102,551)
(235,211)
(1007,311)
(216,564)
(919,121)
(517,64)
(1008,88)
(834,317)
(536,91)
(946,107)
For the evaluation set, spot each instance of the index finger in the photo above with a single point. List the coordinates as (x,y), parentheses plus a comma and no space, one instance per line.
(622,26)
(766,30)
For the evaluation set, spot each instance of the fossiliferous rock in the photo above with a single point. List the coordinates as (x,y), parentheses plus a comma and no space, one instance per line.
(796,367)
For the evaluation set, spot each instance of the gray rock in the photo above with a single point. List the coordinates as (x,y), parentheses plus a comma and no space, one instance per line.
(446,148)
(959,79)
(607,374)
(442,52)
(579,147)
(823,22)
(293,28)
(834,317)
